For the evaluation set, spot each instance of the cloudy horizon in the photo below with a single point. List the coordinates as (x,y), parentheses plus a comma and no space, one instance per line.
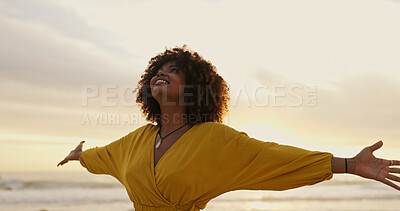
(346,53)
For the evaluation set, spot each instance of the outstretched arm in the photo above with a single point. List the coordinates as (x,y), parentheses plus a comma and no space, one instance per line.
(366,165)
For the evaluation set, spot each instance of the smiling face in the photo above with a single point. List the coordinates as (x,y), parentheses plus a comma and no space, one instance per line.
(167,85)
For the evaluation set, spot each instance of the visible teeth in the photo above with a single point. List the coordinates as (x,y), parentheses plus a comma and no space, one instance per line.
(161,81)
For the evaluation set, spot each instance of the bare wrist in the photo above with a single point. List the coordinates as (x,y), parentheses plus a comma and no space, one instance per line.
(351,166)
(339,165)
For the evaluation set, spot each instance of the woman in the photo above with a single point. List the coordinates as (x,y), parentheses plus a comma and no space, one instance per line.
(189,157)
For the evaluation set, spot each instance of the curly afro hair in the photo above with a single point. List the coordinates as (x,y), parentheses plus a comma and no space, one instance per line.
(209,92)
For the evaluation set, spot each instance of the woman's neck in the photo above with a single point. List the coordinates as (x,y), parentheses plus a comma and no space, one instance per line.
(172,117)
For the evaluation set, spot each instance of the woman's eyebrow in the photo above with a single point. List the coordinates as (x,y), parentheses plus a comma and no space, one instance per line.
(172,65)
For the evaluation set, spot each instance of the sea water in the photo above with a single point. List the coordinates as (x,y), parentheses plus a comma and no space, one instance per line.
(81,191)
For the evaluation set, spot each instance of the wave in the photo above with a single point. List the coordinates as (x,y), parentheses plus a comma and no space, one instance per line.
(16,184)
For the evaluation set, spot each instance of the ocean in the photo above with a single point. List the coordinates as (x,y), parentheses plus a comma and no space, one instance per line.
(82,191)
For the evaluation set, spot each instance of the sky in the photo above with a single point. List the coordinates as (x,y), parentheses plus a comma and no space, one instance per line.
(321,75)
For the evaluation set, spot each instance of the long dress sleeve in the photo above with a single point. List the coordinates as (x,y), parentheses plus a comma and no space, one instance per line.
(107,159)
(247,163)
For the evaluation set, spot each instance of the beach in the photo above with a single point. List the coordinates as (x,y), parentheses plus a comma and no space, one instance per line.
(79,191)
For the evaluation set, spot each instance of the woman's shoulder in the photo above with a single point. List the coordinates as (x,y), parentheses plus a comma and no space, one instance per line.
(142,129)
(137,135)
(219,128)
(217,125)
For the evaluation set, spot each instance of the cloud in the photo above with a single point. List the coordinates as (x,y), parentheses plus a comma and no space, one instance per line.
(65,21)
(38,55)
(46,45)
(50,50)
(361,108)
(48,53)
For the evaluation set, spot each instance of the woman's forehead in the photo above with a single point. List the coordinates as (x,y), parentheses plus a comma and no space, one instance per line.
(166,65)
(170,63)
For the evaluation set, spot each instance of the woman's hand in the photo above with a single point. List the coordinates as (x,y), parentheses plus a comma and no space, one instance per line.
(73,155)
(368,166)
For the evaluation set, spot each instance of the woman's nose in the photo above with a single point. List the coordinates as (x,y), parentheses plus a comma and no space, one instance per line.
(160,73)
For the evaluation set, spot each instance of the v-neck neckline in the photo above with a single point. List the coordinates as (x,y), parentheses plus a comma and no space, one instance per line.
(153,168)
(168,150)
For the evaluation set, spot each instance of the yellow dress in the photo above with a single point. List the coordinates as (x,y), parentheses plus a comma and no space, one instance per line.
(208,160)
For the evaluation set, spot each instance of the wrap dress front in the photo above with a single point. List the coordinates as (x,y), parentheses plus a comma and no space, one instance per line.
(208,160)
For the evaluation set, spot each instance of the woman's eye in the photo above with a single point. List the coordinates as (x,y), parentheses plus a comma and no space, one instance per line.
(174,70)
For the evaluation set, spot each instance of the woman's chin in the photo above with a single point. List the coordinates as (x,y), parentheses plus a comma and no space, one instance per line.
(157,90)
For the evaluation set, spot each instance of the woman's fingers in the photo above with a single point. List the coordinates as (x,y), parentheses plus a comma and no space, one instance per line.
(394,178)
(391,184)
(72,154)
(66,159)
(394,162)
(394,170)
(62,162)
(376,146)
(79,147)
